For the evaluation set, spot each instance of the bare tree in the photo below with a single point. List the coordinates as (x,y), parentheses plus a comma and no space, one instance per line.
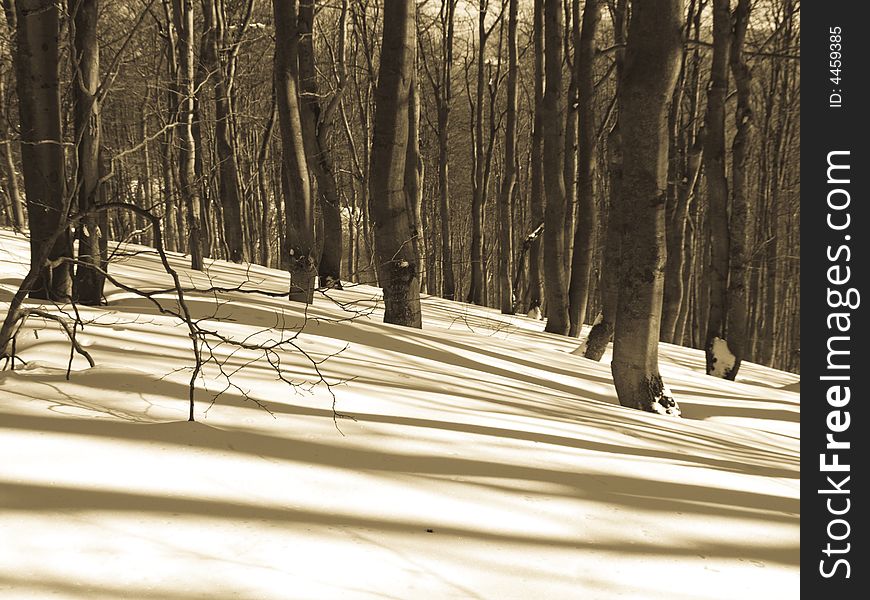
(88,284)
(35,24)
(509,177)
(587,218)
(651,68)
(553,129)
(398,263)
(184,23)
(317,119)
(297,255)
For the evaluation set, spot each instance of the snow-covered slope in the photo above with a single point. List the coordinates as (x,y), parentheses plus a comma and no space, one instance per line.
(477,458)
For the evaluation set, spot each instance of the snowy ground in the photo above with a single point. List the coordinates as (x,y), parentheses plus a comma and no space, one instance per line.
(483,460)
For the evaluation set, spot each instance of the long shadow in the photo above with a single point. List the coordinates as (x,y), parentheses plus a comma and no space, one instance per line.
(29,497)
(68,588)
(760,465)
(704,411)
(613,489)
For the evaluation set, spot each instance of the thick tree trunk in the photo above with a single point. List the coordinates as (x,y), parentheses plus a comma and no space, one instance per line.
(587,218)
(42,159)
(183,15)
(509,178)
(717,191)
(297,254)
(392,221)
(552,114)
(88,284)
(651,67)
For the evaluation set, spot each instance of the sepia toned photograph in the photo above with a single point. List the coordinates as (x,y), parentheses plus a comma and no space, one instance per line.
(413,299)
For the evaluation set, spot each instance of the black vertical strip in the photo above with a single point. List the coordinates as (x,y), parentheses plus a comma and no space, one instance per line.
(834,271)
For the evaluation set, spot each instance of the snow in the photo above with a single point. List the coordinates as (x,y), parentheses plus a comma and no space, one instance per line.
(483,459)
(723,359)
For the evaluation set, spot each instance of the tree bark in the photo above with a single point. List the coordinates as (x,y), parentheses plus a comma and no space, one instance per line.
(16,209)
(229,187)
(509,178)
(587,217)
(717,186)
(602,329)
(552,114)
(316,127)
(42,157)
(183,15)
(651,67)
(297,255)
(88,284)
(536,197)
(740,148)
(398,262)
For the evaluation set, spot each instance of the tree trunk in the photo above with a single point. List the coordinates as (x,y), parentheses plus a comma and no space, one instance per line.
(316,126)
(183,14)
(552,114)
(42,159)
(443,99)
(737,276)
(298,249)
(88,284)
(587,218)
(414,176)
(16,208)
(536,197)
(263,187)
(651,67)
(602,329)
(715,345)
(509,178)
(478,197)
(392,223)
(229,187)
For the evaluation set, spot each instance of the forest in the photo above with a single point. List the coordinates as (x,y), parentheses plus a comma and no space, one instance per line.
(521,155)
(430,254)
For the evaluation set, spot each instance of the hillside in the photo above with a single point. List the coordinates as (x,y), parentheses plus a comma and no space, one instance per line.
(477,458)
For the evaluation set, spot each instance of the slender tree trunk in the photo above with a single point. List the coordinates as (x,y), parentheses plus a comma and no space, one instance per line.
(602,329)
(297,255)
(478,198)
(229,187)
(88,284)
(414,176)
(552,114)
(263,187)
(183,14)
(392,222)
(443,100)
(737,276)
(16,208)
(651,67)
(316,122)
(42,159)
(509,178)
(536,197)
(717,190)
(587,218)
